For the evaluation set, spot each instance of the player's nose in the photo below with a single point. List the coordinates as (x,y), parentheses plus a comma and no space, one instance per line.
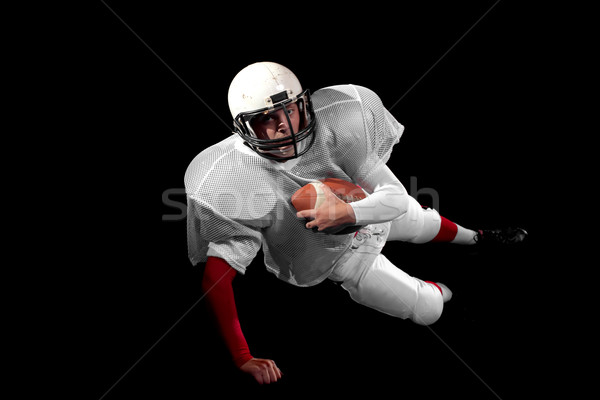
(282,125)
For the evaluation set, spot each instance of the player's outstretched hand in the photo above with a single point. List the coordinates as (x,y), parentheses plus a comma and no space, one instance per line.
(331,213)
(264,371)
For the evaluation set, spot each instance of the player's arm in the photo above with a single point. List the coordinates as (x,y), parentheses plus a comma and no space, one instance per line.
(218,289)
(387,200)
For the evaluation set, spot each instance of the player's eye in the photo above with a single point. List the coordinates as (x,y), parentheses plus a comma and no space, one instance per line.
(264,118)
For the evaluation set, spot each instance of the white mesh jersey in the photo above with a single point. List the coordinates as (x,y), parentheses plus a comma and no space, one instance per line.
(239,201)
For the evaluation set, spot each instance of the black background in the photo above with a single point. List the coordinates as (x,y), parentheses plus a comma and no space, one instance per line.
(476,124)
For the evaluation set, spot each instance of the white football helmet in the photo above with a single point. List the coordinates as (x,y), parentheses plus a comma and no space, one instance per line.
(271,112)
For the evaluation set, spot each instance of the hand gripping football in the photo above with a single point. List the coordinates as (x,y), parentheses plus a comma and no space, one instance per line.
(312,196)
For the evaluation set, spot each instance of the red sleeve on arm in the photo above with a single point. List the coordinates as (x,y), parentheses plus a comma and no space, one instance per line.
(216,285)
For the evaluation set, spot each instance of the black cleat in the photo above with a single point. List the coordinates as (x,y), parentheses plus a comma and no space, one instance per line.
(500,236)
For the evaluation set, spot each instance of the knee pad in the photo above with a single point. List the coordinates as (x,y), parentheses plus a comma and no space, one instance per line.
(410,224)
(429,305)
(417,225)
(430,228)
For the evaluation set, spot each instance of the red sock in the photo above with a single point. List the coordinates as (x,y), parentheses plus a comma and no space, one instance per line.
(447,233)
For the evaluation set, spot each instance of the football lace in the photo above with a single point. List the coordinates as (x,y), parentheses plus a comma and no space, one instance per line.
(347,198)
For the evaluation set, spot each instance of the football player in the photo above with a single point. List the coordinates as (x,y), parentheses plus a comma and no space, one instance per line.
(239,190)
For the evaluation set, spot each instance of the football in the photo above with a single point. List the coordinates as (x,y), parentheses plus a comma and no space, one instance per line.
(312,196)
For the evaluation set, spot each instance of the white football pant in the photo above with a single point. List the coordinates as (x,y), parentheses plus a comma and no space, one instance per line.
(372,280)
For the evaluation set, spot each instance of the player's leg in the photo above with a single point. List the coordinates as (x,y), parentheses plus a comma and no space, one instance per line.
(422,225)
(378,284)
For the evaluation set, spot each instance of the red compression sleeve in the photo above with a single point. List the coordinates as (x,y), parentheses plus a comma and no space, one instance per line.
(216,285)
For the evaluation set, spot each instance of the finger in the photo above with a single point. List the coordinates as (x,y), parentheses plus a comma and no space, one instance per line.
(307,213)
(272,373)
(259,377)
(318,227)
(277,370)
(266,376)
(315,226)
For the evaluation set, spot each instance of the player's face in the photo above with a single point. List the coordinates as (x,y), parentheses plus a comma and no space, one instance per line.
(275,125)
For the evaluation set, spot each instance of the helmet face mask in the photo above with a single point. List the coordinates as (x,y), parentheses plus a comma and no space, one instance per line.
(281,131)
